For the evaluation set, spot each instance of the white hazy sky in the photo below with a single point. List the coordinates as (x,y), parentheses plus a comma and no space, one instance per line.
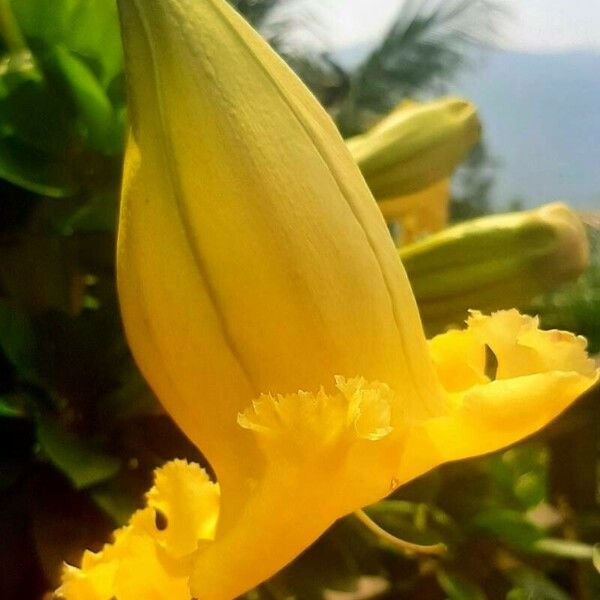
(532,25)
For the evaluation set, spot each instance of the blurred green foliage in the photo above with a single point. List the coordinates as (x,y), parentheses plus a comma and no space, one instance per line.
(61,97)
(80,432)
(577,306)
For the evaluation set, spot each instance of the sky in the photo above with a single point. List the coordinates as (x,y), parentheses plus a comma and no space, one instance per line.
(531,25)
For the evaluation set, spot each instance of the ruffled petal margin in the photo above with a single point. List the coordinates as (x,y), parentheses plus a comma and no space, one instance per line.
(506,378)
(328,454)
(150,558)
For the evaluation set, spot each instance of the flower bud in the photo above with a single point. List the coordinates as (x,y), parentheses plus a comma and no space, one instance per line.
(415,146)
(252,260)
(249,244)
(495,262)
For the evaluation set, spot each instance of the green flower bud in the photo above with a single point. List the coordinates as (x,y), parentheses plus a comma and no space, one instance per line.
(415,146)
(494,262)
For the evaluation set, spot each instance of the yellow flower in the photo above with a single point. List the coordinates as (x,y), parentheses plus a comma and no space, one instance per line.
(419,214)
(145,561)
(407,159)
(416,145)
(253,263)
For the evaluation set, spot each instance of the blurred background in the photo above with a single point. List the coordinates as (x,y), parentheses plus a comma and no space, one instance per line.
(80,433)
(541,68)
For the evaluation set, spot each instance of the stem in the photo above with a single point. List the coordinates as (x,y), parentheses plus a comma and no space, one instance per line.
(404,546)
(565,549)
(9,29)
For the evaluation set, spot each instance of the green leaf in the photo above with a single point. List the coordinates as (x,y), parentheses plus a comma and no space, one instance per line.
(458,588)
(17,340)
(98,215)
(565,549)
(9,410)
(510,526)
(48,121)
(417,522)
(101,126)
(530,489)
(89,28)
(81,461)
(16,69)
(33,170)
(531,584)
(37,112)
(131,400)
(35,134)
(115,501)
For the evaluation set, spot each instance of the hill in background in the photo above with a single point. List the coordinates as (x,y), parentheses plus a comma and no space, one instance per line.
(541,114)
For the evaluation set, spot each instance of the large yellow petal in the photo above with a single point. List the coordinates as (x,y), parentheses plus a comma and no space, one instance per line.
(328,455)
(537,375)
(490,417)
(252,257)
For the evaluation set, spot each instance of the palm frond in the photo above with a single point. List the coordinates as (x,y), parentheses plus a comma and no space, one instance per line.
(256,12)
(429,42)
(322,75)
(292,29)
